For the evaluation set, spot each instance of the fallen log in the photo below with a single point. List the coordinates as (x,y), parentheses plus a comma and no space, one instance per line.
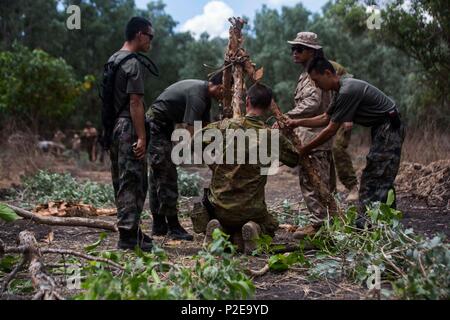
(70,221)
(46,288)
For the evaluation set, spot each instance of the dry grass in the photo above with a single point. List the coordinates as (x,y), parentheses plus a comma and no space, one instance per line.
(422,145)
(20,156)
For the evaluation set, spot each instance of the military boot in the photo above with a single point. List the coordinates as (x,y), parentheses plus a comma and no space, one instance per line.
(129,240)
(250,232)
(353,195)
(176,231)
(302,233)
(160,227)
(210,227)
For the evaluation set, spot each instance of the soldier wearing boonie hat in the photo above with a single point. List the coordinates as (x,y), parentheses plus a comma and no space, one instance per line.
(310,101)
(307,39)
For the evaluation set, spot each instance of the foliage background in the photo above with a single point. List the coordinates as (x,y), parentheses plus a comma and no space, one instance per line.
(408,58)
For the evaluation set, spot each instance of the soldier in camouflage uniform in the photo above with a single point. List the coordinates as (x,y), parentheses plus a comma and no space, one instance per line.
(128,148)
(184,102)
(343,161)
(235,200)
(311,101)
(359,102)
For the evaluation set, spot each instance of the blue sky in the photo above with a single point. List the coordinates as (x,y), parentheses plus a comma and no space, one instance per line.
(211,15)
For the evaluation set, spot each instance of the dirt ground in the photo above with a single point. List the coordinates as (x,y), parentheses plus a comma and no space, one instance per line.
(292,284)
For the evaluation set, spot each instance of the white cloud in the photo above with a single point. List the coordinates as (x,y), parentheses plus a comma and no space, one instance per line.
(282,2)
(213,20)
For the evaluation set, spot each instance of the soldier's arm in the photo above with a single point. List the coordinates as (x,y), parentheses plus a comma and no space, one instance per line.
(288,153)
(325,135)
(138,119)
(315,122)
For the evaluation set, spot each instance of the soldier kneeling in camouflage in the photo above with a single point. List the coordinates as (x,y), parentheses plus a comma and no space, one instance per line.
(235,202)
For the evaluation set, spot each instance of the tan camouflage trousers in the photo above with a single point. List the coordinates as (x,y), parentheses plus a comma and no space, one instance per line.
(323,162)
(342,159)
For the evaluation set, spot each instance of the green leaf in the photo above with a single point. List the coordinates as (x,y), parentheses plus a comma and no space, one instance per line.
(7,263)
(96,243)
(7,214)
(278,263)
(390,198)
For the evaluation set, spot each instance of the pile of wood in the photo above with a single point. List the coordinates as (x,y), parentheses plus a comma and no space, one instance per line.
(71,209)
(430,183)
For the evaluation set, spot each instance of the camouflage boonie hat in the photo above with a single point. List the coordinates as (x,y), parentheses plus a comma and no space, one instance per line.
(308,39)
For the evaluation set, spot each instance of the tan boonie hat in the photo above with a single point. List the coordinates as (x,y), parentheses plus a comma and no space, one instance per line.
(308,39)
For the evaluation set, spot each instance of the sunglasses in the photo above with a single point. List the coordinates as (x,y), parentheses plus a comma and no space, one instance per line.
(298,49)
(148,34)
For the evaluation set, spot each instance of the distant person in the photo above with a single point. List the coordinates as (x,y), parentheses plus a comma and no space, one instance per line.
(58,139)
(76,145)
(359,102)
(183,102)
(52,147)
(89,140)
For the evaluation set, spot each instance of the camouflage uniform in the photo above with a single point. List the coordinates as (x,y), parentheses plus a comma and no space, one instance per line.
(311,101)
(237,190)
(342,159)
(382,164)
(163,172)
(129,176)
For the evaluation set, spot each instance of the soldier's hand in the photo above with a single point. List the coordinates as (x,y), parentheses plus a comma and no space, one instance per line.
(291,123)
(347,126)
(276,125)
(139,149)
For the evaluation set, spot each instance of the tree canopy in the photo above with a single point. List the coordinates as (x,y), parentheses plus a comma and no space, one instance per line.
(408,58)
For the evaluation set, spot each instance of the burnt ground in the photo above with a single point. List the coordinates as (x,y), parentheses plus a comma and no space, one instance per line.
(292,284)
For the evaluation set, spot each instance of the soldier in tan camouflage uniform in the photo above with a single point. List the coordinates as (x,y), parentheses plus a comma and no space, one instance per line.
(235,201)
(311,101)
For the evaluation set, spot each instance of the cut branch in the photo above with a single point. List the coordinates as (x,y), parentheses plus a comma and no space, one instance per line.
(260,272)
(71,221)
(312,175)
(81,255)
(43,283)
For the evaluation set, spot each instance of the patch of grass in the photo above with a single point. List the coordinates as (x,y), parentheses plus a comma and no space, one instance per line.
(189,184)
(45,186)
(216,274)
(414,266)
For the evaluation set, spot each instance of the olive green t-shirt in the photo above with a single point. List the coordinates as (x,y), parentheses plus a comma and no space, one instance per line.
(130,79)
(184,102)
(359,102)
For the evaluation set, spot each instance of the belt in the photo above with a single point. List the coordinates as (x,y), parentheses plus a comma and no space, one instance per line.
(394,118)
